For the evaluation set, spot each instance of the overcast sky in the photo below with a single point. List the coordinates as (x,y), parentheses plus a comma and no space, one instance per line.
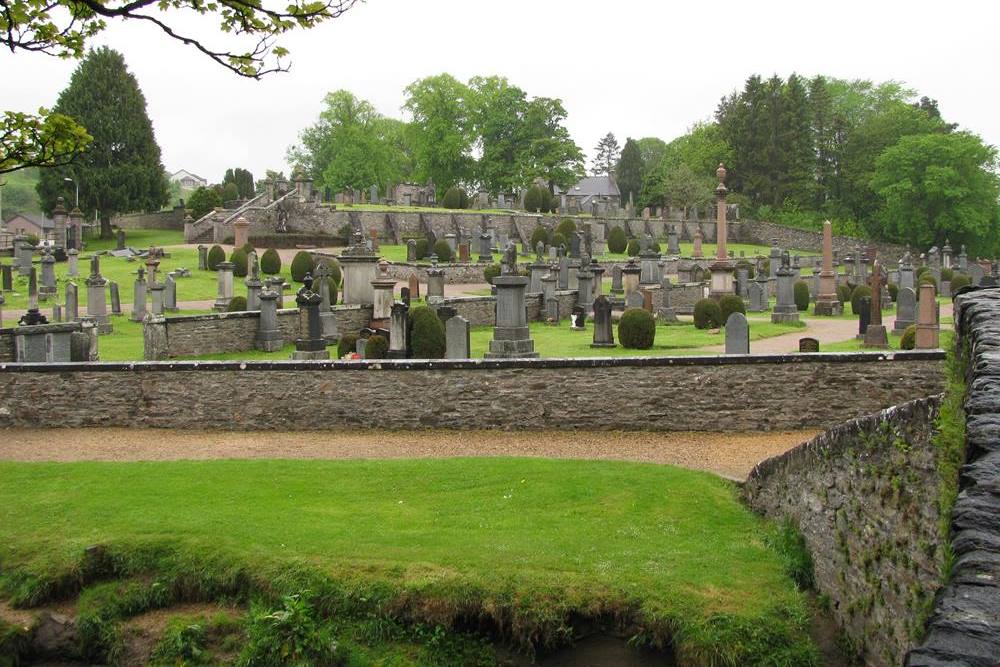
(636,68)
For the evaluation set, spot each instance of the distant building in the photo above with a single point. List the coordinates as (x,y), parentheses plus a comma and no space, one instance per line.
(602,189)
(36,225)
(188,180)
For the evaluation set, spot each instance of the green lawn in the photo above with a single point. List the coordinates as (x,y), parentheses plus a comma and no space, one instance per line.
(526,542)
(140,239)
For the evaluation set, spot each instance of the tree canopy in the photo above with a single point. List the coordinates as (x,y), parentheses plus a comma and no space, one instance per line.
(608,152)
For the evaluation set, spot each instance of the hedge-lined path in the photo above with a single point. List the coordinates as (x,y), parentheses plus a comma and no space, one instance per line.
(730,455)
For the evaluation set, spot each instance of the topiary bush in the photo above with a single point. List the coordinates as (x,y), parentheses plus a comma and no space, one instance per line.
(860,292)
(538,199)
(540,234)
(908,341)
(426,333)
(655,247)
(843,293)
(636,329)
(421,249)
(558,241)
(347,344)
(633,248)
(928,279)
(490,272)
(566,227)
(270,262)
(454,198)
(331,285)
(249,248)
(377,347)
(921,270)
(893,292)
(333,266)
(617,242)
(730,304)
(707,314)
(302,264)
(216,256)
(443,251)
(960,280)
(239,260)
(947,274)
(801,294)
(237,304)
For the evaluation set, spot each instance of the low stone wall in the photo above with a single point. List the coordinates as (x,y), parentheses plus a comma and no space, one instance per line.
(863,495)
(964,628)
(481,310)
(638,394)
(222,333)
(172,219)
(765,233)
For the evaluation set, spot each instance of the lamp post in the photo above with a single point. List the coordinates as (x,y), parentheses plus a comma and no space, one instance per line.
(77,186)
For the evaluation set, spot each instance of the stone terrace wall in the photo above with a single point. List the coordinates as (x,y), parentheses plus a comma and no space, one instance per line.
(864,497)
(481,310)
(640,394)
(764,233)
(964,628)
(173,219)
(221,333)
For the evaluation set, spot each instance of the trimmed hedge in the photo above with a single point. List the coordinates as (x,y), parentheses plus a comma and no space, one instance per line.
(347,344)
(908,341)
(633,248)
(707,314)
(296,240)
(421,249)
(333,266)
(239,260)
(844,293)
(538,200)
(860,292)
(927,279)
(426,333)
(617,241)
(566,227)
(730,304)
(559,241)
(216,256)
(801,294)
(443,251)
(540,234)
(947,274)
(270,262)
(237,304)
(490,272)
(636,329)
(960,280)
(893,291)
(377,347)
(454,198)
(302,264)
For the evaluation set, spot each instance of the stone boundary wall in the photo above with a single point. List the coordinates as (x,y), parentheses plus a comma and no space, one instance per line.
(173,219)
(635,394)
(481,310)
(964,628)
(221,333)
(863,496)
(764,233)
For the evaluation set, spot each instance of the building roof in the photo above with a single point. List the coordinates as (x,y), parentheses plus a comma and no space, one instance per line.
(39,221)
(181,173)
(599,186)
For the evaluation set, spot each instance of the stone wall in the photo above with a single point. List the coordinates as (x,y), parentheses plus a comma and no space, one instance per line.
(638,394)
(964,628)
(481,310)
(863,496)
(172,219)
(764,233)
(222,333)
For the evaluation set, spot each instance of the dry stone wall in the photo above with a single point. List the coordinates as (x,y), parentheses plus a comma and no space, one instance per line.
(172,219)
(863,496)
(636,394)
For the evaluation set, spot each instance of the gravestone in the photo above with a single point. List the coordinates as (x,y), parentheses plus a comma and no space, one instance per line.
(202,258)
(120,239)
(268,337)
(73,257)
(139,297)
(224,285)
(72,309)
(373,194)
(116,299)
(785,310)
(737,334)
(464,252)
(673,245)
(170,295)
(634,300)
(927,337)
(603,330)
(552,313)
(864,317)
(8,277)
(757,291)
(411,251)
(404,295)
(578,318)
(414,286)
(435,284)
(976,274)
(456,333)
(97,308)
(906,310)
(310,344)
(47,286)
(399,328)
(808,345)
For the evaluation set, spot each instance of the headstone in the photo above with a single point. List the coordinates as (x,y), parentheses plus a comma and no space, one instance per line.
(413,283)
(737,334)
(827,302)
(120,239)
(139,297)
(864,317)
(404,295)
(808,345)
(457,345)
(170,295)
(927,320)
(411,251)
(8,277)
(72,309)
(634,300)
(310,344)
(757,292)
(603,330)
(785,310)
(47,287)
(435,284)
(673,245)
(876,335)
(616,280)
(399,326)
(976,273)
(906,310)
(268,337)
(464,252)
(202,258)
(552,314)
(97,307)
(373,194)
(224,283)
(116,299)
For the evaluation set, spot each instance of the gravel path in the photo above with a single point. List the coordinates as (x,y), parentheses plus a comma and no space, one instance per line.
(730,455)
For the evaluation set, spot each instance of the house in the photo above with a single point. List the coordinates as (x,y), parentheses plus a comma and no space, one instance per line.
(188,180)
(601,189)
(36,225)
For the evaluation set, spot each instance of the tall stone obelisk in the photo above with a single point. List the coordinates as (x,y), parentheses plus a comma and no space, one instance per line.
(722,269)
(826,300)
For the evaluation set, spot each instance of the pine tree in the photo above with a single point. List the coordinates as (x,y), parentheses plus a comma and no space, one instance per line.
(796,159)
(607,154)
(629,171)
(824,135)
(121,171)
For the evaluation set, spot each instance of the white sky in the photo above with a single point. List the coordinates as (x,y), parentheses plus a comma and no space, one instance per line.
(632,67)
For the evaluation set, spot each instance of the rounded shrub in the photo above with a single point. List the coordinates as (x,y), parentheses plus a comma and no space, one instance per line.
(730,304)
(270,262)
(331,285)
(455,197)
(928,279)
(617,242)
(566,227)
(908,341)
(237,304)
(426,333)
(960,280)
(633,248)
(893,292)
(947,274)
(921,270)
(843,293)
(801,293)
(443,251)
(558,240)
(860,292)
(655,247)
(540,234)
(248,248)
(490,272)
(333,266)
(636,329)
(302,264)
(538,199)
(239,261)
(707,314)
(377,347)
(347,344)
(216,256)
(421,249)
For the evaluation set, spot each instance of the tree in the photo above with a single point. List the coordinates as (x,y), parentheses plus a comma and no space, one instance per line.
(607,154)
(441,131)
(202,201)
(700,151)
(43,140)
(939,186)
(121,170)
(551,153)
(628,172)
(496,111)
(243,180)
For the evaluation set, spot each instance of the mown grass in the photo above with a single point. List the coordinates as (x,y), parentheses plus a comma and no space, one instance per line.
(520,545)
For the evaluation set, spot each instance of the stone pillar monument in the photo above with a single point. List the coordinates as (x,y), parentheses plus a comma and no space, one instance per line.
(97,306)
(785,310)
(927,321)
(241,232)
(722,268)
(268,336)
(875,334)
(310,343)
(358,265)
(630,277)
(59,218)
(75,224)
(382,287)
(826,301)
(399,330)
(511,336)
(225,284)
(139,296)
(253,283)
(585,288)
(435,284)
